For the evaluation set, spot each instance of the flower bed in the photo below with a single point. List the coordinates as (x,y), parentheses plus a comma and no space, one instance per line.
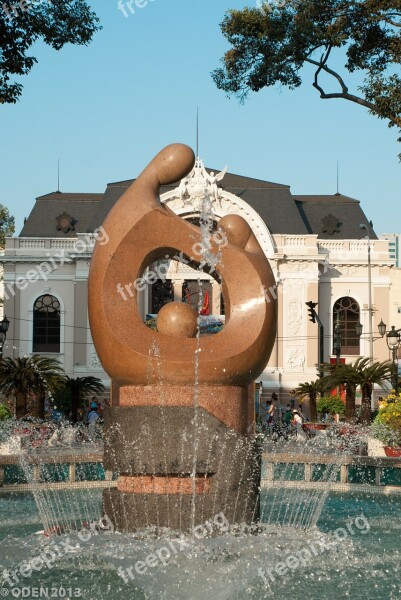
(387,425)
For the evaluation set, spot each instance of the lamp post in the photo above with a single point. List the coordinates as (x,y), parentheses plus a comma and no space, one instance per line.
(393,339)
(382,331)
(393,342)
(365,227)
(337,339)
(4,325)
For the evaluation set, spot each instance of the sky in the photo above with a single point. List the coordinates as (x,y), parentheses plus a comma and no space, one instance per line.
(106,109)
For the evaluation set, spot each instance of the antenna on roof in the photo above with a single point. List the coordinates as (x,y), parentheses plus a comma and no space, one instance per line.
(58,175)
(338,179)
(197,132)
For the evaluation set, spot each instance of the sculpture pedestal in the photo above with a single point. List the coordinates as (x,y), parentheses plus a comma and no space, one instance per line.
(182,457)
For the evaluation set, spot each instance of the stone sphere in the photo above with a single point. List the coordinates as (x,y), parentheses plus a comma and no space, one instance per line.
(177,319)
(236,230)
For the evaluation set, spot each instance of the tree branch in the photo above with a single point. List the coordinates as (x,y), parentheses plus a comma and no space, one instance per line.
(345,93)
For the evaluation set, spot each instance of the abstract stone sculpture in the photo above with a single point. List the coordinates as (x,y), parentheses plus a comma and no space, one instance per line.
(178,430)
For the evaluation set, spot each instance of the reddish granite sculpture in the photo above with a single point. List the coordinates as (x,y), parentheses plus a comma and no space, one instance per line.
(154,371)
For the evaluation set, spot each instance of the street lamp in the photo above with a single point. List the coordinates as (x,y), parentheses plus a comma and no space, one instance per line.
(4,325)
(365,227)
(381,327)
(382,331)
(393,342)
(337,339)
(393,339)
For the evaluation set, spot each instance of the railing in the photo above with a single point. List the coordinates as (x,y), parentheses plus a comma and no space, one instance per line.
(347,473)
(37,464)
(294,240)
(88,239)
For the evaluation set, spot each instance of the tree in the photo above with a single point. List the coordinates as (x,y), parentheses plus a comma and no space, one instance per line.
(271,45)
(7,228)
(7,225)
(311,390)
(22,24)
(74,393)
(50,377)
(27,376)
(364,374)
(344,374)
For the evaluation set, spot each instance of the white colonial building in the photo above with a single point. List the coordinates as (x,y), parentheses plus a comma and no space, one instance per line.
(314,243)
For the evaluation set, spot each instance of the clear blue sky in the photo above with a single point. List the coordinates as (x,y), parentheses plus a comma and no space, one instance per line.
(106,109)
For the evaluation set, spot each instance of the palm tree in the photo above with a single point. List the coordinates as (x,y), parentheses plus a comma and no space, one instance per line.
(74,392)
(311,390)
(50,377)
(367,375)
(27,376)
(364,374)
(343,374)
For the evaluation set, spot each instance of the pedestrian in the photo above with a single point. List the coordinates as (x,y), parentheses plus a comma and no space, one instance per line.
(288,415)
(270,412)
(297,422)
(92,419)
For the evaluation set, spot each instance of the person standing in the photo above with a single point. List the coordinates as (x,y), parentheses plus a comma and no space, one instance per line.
(270,413)
(288,415)
(298,422)
(92,419)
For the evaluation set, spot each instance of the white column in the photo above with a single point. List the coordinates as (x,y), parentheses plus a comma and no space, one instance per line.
(216,308)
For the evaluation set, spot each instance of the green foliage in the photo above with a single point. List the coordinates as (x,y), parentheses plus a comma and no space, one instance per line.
(7,225)
(79,388)
(363,374)
(331,404)
(387,425)
(5,412)
(56,23)
(272,45)
(387,434)
(21,377)
(311,390)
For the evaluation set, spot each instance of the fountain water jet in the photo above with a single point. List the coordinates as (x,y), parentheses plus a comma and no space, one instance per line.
(214,467)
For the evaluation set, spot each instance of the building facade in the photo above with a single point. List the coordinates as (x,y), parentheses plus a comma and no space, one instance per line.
(315,246)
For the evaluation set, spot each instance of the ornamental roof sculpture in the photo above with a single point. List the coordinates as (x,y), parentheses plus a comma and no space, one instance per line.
(198,184)
(331,225)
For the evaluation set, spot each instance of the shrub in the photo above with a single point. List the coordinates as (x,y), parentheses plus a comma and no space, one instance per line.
(387,425)
(385,434)
(5,412)
(331,404)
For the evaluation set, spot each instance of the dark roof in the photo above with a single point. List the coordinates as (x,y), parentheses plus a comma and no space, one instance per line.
(42,222)
(329,217)
(273,201)
(318,211)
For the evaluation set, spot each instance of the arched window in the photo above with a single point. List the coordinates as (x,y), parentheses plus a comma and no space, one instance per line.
(346,310)
(46,324)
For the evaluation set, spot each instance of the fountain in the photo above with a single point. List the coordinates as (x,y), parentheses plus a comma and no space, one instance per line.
(176,525)
(178,431)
